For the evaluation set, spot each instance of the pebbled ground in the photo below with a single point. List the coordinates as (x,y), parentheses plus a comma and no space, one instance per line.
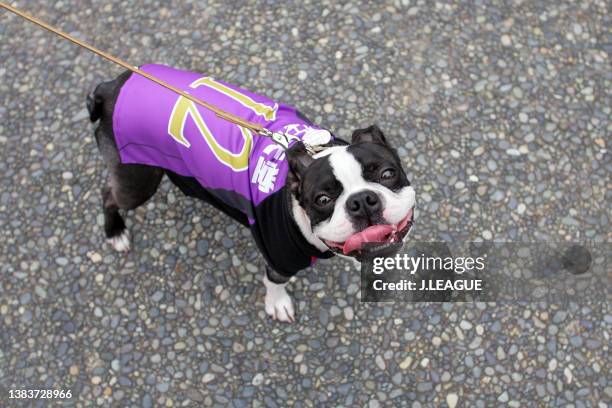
(500,111)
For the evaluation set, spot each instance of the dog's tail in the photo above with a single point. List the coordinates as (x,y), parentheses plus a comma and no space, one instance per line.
(95,103)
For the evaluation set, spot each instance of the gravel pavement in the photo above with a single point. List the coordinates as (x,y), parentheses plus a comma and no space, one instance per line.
(501,113)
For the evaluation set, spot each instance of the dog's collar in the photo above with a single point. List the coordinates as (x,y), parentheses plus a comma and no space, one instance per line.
(314,150)
(315,141)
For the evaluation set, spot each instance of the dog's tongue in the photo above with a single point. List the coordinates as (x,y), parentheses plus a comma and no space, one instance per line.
(375,233)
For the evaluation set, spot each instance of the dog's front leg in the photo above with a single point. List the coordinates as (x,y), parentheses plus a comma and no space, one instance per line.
(278,302)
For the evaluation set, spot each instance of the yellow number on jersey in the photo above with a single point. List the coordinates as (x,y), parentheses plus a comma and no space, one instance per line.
(184,108)
(268,113)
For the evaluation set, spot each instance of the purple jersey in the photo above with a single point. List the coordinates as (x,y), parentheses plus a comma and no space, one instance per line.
(155,126)
(207,157)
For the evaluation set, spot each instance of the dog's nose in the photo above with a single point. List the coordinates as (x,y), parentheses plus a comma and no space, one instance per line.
(363,203)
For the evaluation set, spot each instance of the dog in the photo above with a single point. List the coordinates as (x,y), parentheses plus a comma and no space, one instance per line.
(299,205)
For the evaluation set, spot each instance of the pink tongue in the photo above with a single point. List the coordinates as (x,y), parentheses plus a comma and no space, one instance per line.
(375,233)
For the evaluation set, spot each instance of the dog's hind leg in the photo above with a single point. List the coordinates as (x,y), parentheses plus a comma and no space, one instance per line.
(114,227)
(129,186)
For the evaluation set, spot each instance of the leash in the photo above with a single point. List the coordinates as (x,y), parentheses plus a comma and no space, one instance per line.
(280,138)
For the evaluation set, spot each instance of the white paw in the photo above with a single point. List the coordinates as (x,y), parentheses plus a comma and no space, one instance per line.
(120,243)
(278,302)
(279,306)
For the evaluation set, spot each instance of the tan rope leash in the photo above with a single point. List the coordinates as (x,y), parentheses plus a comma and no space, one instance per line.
(219,112)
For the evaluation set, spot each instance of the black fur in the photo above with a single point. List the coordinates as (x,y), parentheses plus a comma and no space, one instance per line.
(299,160)
(113,223)
(371,134)
(375,158)
(316,180)
(94,106)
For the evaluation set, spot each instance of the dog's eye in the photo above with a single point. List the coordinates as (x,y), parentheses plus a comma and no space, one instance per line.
(322,200)
(387,174)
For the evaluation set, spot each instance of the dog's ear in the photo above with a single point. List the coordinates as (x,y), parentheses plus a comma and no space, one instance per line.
(371,134)
(299,160)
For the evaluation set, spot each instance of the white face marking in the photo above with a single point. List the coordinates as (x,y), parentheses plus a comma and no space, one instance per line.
(348,172)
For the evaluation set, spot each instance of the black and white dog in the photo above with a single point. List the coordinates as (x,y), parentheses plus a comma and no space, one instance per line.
(331,202)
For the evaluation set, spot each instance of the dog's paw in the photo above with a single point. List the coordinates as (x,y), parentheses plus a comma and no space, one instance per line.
(280,306)
(121,242)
